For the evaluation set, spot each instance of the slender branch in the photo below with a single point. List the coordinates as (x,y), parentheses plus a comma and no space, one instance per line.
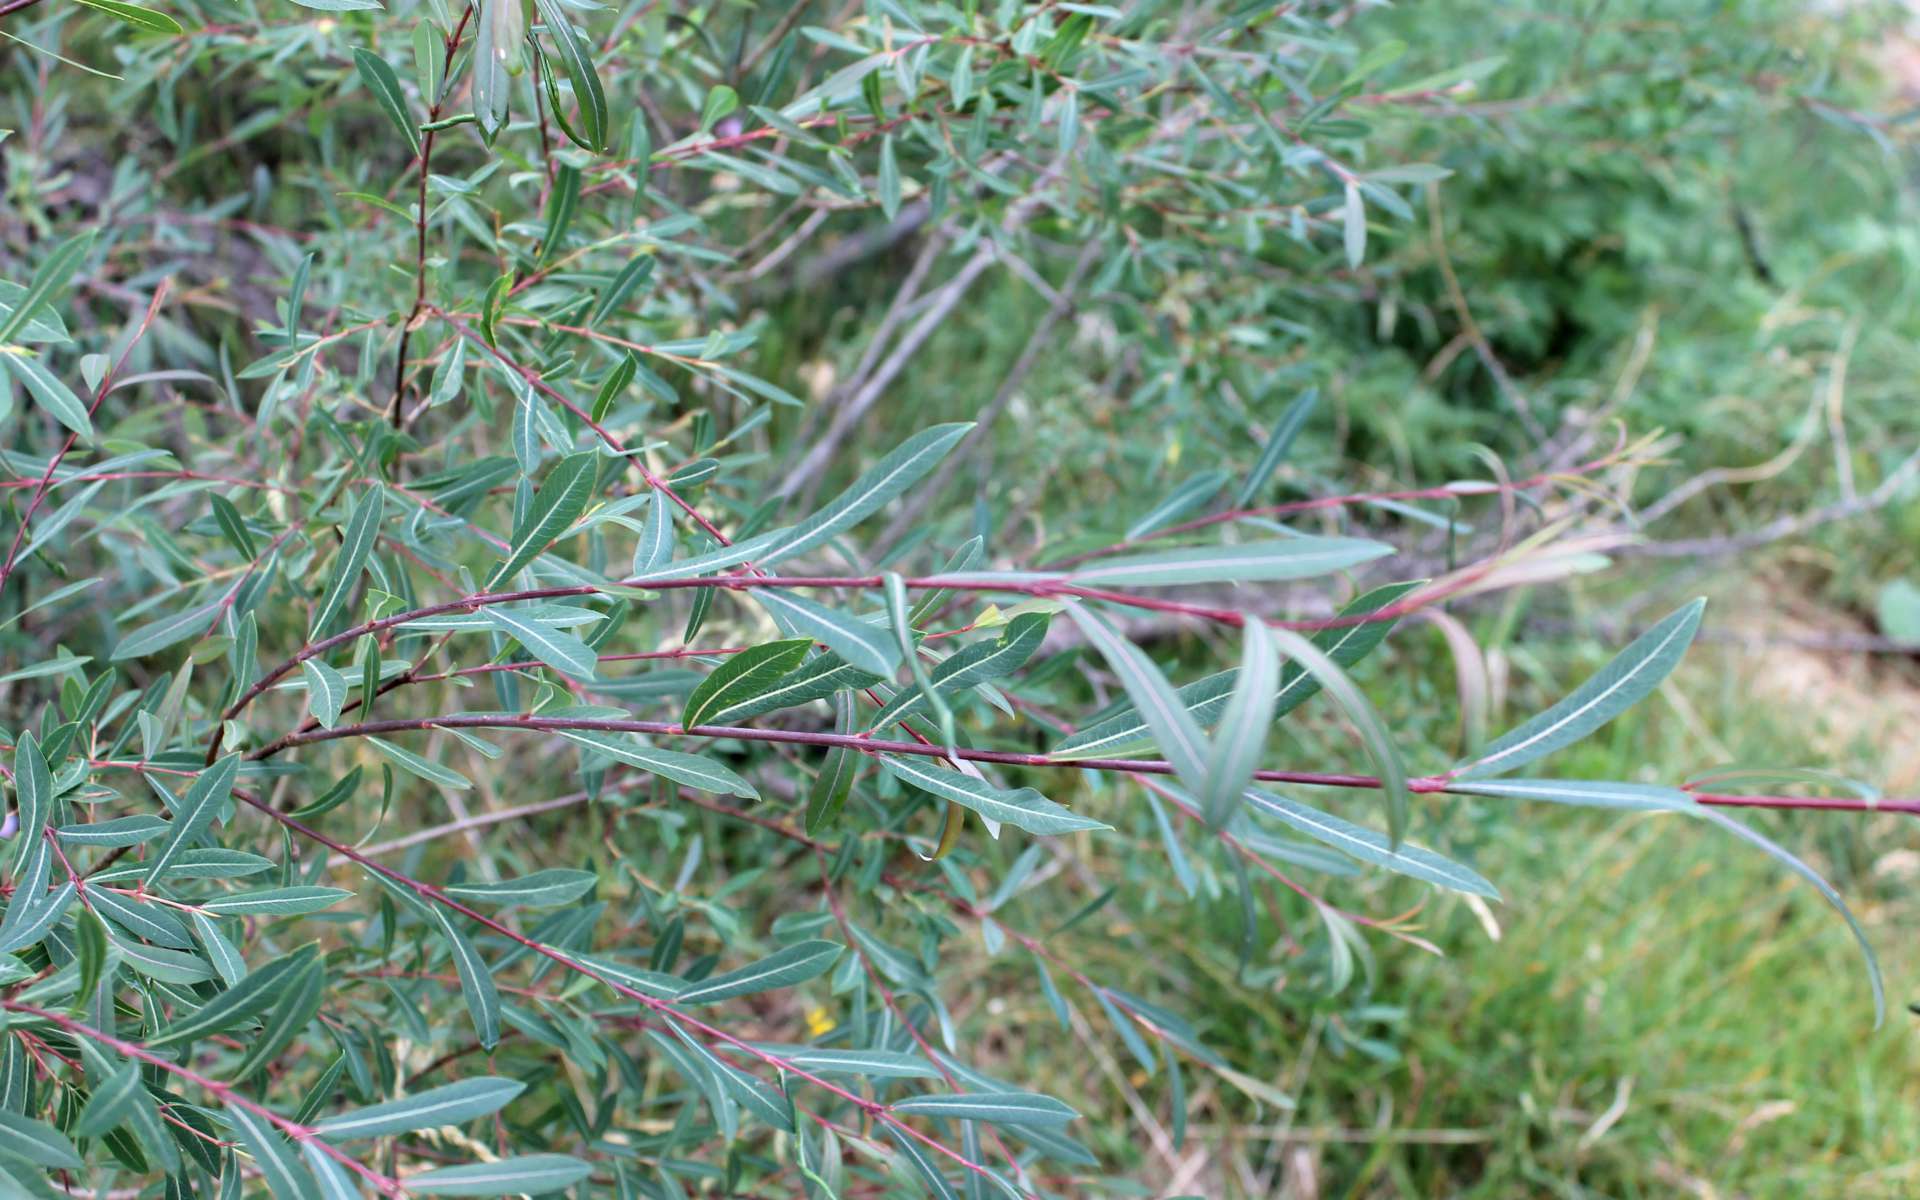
(426,891)
(228,1094)
(874,746)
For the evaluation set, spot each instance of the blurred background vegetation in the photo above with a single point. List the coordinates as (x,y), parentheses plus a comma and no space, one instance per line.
(1694,218)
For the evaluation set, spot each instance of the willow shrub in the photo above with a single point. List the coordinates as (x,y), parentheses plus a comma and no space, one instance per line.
(389,458)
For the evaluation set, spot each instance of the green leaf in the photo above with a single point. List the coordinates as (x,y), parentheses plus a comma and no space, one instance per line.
(561,498)
(526,1174)
(431,1109)
(820,677)
(380,79)
(1178,503)
(158,634)
(193,813)
(1631,676)
(1205,699)
(1370,847)
(1022,808)
(873,1064)
(550,888)
(46,388)
(975,664)
(1366,722)
(561,204)
(721,100)
(694,770)
(111,1103)
(37,1142)
(413,764)
(48,280)
(886,479)
(578,65)
(476,981)
(1639,797)
(789,966)
(326,691)
(1237,744)
(742,678)
(996,1108)
(863,645)
(120,831)
(240,1003)
(32,788)
(1279,441)
(286,1178)
(558,649)
(1173,727)
(1786,858)
(356,546)
(275,902)
(1251,562)
(496,61)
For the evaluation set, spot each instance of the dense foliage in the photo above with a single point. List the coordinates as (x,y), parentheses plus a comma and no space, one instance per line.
(512,685)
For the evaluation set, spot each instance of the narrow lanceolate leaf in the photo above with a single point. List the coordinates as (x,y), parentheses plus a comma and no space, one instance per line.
(1126,731)
(431,1109)
(1279,441)
(476,981)
(1173,727)
(906,465)
(194,812)
(275,902)
(793,965)
(37,1142)
(1242,735)
(111,1103)
(557,504)
(928,694)
(326,691)
(334,1180)
(978,663)
(286,1178)
(1178,503)
(1371,847)
(874,1064)
(1789,860)
(1616,687)
(158,634)
(1583,793)
(30,918)
(543,889)
(1366,722)
(654,550)
(254,995)
(576,61)
(120,831)
(743,678)
(385,86)
(820,677)
(1252,562)
(1022,808)
(694,770)
(32,789)
(363,528)
(558,649)
(48,390)
(47,281)
(527,1174)
(996,1108)
(413,764)
(497,59)
(866,646)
